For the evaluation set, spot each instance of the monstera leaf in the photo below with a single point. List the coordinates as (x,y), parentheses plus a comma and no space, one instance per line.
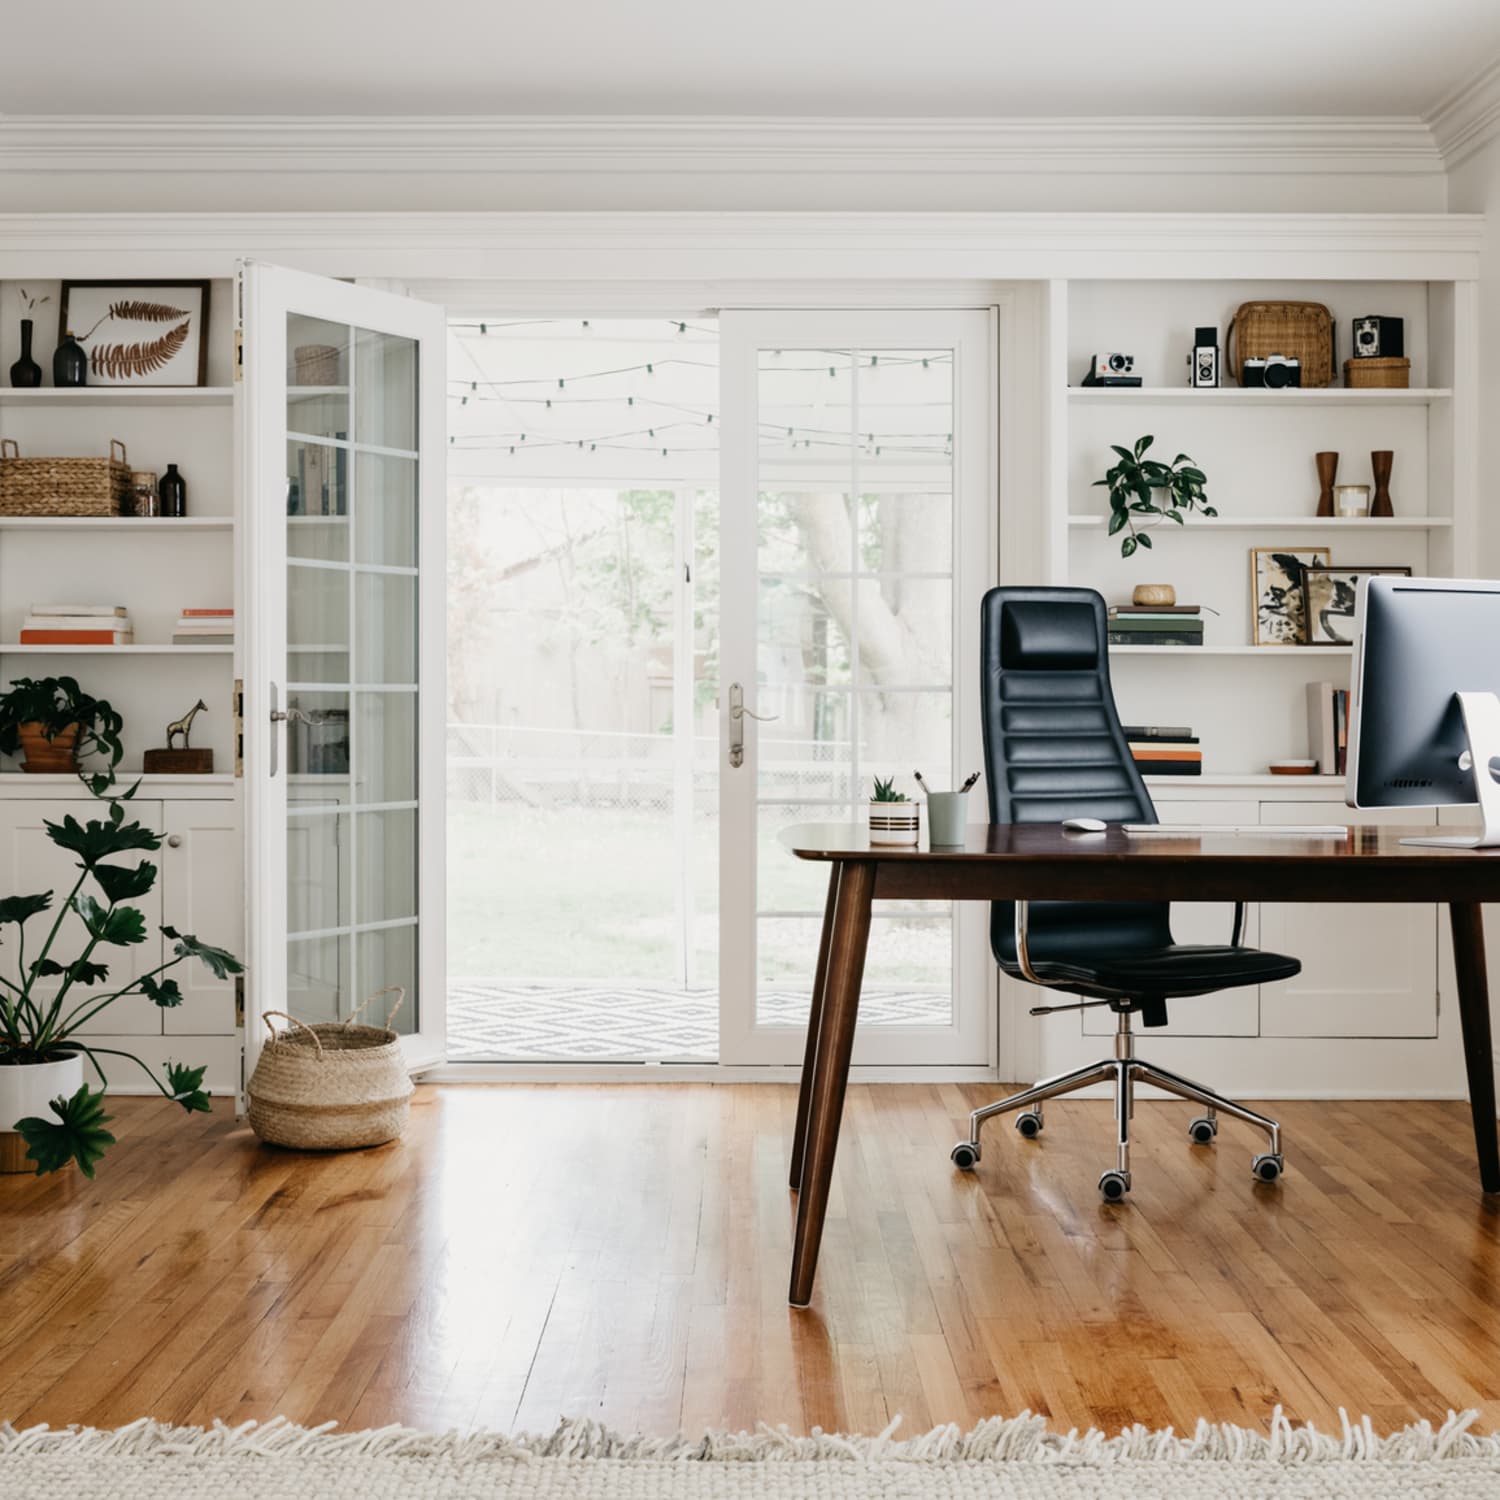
(125,882)
(121,925)
(94,840)
(162,992)
(186,1086)
(78,1133)
(187,946)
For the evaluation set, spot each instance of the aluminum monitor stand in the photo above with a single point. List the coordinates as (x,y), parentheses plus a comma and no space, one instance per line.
(1481,713)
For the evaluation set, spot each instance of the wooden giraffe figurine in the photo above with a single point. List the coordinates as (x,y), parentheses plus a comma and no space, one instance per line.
(184,725)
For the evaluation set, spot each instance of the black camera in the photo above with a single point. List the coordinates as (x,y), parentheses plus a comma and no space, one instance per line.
(1112,369)
(1379,338)
(1273,373)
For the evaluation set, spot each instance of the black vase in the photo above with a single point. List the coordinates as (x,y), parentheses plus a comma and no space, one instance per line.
(172,488)
(70,363)
(26,372)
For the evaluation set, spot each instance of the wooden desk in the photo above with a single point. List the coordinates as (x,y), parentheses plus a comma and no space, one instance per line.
(1039,862)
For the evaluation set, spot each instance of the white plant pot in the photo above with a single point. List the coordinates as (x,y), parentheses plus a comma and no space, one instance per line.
(895,822)
(27,1089)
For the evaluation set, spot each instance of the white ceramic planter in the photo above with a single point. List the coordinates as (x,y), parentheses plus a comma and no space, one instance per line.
(895,822)
(29,1088)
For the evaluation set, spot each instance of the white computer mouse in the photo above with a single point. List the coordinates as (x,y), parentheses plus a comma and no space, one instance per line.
(1084,825)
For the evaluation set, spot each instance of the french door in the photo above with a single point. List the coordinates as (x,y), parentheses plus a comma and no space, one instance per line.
(857,538)
(341,433)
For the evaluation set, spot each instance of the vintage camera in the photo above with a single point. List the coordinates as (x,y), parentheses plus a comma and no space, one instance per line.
(1112,369)
(1379,338)
(1203,362)
(1273,373)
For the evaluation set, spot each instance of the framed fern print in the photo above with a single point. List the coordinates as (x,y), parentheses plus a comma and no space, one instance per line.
(139,332)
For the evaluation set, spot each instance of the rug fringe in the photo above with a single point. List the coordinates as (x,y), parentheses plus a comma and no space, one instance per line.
(1023,1438)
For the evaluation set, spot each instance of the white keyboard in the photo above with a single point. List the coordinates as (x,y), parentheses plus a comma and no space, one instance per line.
(1196,830)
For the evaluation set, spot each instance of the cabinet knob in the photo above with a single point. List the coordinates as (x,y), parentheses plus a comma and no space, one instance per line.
(174,841)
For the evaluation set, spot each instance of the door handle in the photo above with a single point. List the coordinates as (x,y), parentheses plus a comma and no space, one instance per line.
(738,713)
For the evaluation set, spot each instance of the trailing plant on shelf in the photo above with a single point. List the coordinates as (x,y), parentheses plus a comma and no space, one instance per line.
(1135,481)
(58,725)
(885,791)
(46,1000)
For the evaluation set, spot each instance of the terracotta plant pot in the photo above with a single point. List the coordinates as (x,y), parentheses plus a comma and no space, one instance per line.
(60,753)
(26,1089)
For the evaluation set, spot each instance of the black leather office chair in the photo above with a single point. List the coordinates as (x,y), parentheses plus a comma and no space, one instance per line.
(1054,749)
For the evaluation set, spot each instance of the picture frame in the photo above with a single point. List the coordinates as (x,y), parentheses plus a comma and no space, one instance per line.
(1276,610)
(1328,596)
(139,332)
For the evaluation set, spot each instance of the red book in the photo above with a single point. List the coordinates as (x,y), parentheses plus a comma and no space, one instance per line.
(76,637)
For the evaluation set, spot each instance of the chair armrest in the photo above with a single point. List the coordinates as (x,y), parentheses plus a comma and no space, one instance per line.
(1023,952)
(1239,925)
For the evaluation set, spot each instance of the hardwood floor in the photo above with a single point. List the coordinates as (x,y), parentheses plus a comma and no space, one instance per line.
(621,1252)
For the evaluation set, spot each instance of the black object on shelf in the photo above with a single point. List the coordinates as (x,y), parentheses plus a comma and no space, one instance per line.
(70,364)
(172,488)
(26,373)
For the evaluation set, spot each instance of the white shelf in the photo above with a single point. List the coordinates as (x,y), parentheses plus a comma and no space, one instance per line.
(1312,653)
(1291,523)
(1234,395)
(16,649)
(1244,778)
(124,775)
(312,392)
(140,524)
(119,395)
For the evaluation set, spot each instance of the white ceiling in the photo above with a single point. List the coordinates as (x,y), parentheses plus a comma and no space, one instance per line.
(773,57)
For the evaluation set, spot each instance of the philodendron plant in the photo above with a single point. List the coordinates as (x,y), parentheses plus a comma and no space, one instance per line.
(1133,484)
(44,1007)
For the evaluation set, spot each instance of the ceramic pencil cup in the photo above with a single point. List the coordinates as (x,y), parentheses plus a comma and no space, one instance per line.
(947,818)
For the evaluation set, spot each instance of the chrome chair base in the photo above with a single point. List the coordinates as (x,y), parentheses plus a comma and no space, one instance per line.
(1125,1070)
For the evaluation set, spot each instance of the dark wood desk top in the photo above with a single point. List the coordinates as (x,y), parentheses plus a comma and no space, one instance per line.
(1040,861)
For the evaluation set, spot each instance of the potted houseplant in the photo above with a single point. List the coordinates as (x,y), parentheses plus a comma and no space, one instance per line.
(1135,481)
(893,818)
(55,724)
(49,1115)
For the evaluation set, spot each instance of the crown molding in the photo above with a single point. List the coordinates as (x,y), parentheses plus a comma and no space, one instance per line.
(1469,117)
(683,144)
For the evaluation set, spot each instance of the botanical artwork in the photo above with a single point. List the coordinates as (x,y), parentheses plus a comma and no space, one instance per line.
(139,333)
(1276,592)
(1328,599)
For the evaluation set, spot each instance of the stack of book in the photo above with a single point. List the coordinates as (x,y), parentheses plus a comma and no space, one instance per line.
(1165,749)
(204,627)
(1328,727)
(1156,625)
(77,625)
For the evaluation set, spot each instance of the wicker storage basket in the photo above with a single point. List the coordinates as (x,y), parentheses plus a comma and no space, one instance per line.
(1300,330)
(333,1085)
(1377,374)
(63,486)
(316,364)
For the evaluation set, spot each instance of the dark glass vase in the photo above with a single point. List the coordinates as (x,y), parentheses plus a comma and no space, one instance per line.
(26,372)
(172,488)
(70,364)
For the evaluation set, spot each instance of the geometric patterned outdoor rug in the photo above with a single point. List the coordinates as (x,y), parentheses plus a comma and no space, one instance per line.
(587,1020)
(1000,1459)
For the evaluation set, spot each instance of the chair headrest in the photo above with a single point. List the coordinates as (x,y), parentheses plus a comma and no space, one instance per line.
(1049,636)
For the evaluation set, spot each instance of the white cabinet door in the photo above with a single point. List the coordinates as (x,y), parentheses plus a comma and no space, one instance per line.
(203,892)
(30,861)
(1229,1012)
(1367,971)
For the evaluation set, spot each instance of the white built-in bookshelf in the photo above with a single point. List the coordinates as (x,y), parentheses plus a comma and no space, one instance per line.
(1248,703)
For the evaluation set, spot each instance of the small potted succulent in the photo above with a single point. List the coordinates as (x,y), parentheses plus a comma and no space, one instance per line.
(894,819)
(1133,484)
(56,725)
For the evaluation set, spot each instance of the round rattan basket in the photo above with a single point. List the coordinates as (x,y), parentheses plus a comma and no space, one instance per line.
(331,1086)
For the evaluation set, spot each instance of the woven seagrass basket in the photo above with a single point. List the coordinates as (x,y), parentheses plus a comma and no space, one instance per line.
(331,1086)
(63,486)
(316,364)
(1300,330)
(1377,374)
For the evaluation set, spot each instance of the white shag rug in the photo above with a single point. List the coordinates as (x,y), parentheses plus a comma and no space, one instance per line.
(1014,1458)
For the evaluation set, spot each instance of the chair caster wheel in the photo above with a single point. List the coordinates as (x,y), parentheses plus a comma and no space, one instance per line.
(1113,1187)
(1029,1124)
(1268,1166)
(1203,1130)
(965,1154)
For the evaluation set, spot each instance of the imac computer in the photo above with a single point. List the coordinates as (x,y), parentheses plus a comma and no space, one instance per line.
(1424,715)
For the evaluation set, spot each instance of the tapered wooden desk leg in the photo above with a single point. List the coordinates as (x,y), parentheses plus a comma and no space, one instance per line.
(814,1027)
(1474,1016)
(825,1105)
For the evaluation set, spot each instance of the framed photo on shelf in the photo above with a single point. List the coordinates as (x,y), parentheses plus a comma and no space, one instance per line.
(1328,595)
(1277,617)
(139,332)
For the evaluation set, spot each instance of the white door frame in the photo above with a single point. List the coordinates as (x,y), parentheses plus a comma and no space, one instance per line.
(972,337)
(266,294)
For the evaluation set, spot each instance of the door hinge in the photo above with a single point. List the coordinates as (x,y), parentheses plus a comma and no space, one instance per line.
(239,355)
(237,707)
(239,1000)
